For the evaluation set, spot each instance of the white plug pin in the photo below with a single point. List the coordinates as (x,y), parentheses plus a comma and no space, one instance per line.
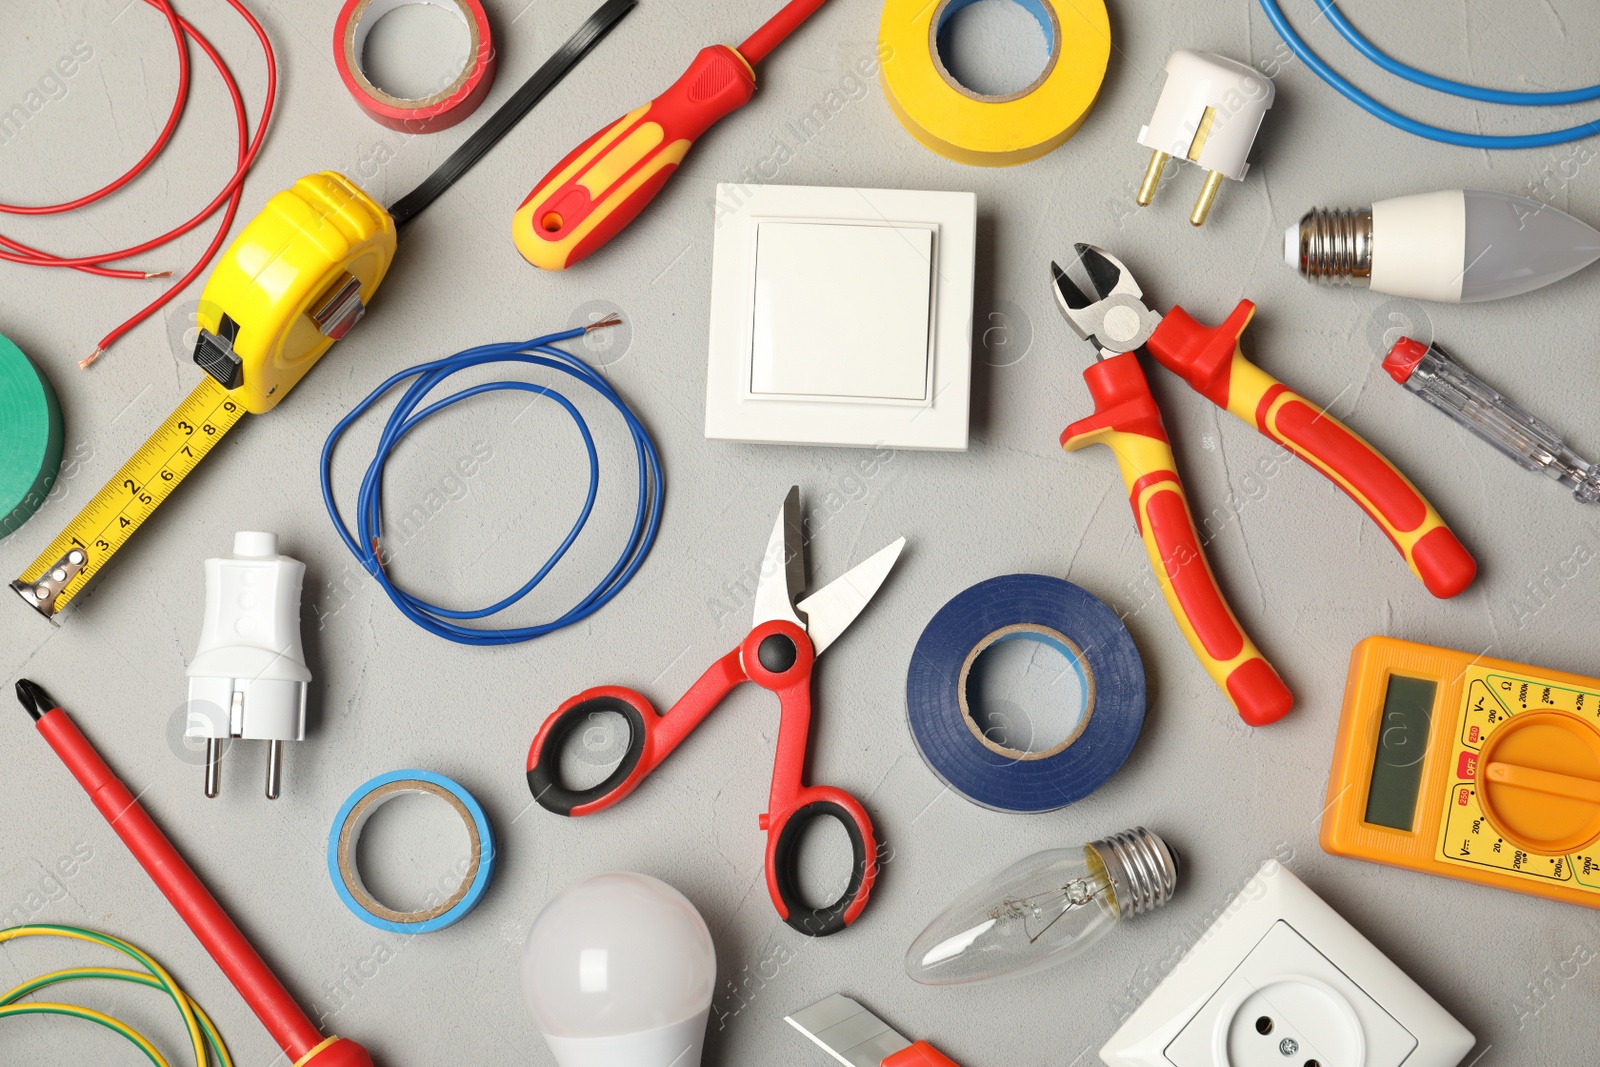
(1208,113)
(249,676)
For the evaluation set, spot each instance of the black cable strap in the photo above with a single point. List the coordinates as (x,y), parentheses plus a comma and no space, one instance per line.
(512,111)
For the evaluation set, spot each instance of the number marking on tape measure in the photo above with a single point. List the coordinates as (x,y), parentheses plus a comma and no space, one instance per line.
(107,522)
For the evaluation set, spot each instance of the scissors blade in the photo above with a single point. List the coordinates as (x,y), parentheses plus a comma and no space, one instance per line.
(783,566)
(835,606)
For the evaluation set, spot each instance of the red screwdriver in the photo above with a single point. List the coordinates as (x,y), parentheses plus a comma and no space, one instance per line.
(594,192)
(302,1043)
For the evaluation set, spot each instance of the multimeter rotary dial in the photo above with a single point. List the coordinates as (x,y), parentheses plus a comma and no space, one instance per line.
(1538,782)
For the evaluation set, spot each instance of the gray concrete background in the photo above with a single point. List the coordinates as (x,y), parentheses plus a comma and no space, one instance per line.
(1306,571)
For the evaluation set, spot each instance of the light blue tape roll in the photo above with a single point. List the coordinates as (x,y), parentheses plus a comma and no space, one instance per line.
(983,768)
(346,833)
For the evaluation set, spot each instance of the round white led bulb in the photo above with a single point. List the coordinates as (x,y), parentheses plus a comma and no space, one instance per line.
(618,972)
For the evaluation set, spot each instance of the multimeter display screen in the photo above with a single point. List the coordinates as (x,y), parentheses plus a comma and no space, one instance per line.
(1402,746)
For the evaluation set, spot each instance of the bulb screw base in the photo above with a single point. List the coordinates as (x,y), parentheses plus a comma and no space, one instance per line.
(1332,246)
(1143,870)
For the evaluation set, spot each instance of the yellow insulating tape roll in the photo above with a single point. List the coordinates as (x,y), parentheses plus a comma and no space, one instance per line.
(993,131)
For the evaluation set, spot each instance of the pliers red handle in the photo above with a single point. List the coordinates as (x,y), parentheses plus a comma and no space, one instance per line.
(1104,304)
(1210,360)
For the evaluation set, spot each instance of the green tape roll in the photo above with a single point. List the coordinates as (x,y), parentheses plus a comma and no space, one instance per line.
(30,437)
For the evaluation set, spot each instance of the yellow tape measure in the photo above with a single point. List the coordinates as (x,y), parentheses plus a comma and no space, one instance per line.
(293,282)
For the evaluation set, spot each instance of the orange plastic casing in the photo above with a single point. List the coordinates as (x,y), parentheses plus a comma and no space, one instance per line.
(919,1054)
(1500,734)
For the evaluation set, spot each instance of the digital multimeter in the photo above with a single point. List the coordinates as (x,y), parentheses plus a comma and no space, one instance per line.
(1468,767)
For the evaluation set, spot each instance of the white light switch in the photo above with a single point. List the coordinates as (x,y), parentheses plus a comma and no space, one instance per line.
(841,310)
(841,316)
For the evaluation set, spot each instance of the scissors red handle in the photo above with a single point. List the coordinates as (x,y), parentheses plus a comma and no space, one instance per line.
(778,656)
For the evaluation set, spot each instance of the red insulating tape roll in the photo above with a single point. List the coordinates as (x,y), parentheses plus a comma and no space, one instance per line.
(429,114)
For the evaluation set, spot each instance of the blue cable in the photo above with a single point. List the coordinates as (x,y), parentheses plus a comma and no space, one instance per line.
(1430,81)
(404,418)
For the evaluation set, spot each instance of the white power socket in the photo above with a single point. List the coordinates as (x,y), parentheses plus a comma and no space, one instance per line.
(1281,980)
(1287,1006)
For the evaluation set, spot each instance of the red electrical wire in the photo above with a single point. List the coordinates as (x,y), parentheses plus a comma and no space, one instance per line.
(779,26)
(249,147)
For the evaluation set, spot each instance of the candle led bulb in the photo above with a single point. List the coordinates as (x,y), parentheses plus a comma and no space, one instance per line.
(1456,247)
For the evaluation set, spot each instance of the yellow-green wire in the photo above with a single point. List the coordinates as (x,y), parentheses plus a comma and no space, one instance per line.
(202,1034)
(118,974)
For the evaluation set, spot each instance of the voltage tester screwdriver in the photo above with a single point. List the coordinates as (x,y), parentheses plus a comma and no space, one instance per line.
(290,1027)
(594,192)
(1441,380)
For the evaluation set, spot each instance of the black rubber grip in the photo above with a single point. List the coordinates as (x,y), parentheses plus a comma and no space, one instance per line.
(817,922)
(544,777)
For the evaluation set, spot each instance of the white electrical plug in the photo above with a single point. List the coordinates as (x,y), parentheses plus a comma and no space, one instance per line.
(248,678)
(1281,980)
(1209,112)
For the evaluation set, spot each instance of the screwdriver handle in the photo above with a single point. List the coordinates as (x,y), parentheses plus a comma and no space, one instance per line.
(594,192)
(1127,421)
(1209,359)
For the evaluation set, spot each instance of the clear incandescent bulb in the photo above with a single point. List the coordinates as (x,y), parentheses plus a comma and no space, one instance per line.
(1044,910)
(619,972)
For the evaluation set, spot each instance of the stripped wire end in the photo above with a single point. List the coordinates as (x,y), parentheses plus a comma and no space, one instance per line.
(34,699)
(609,320)
(83,364)
(158,274)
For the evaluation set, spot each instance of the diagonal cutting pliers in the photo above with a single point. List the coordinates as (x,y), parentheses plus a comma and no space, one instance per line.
(1105,306)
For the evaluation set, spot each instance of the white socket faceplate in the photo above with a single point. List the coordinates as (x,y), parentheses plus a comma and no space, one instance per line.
(1281,980)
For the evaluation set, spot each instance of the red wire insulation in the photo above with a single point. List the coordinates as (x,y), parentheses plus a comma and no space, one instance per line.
(778,27)
(165,7)
(249,147)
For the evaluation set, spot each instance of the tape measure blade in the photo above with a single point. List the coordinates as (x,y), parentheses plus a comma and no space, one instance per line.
(132,495)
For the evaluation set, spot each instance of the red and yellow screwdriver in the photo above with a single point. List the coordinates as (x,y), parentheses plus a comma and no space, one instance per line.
(594,192)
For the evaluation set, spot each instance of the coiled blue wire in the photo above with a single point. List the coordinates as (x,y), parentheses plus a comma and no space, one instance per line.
(1331,12)
(405,418)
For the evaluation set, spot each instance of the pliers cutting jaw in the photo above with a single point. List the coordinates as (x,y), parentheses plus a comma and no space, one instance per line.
(1102,302)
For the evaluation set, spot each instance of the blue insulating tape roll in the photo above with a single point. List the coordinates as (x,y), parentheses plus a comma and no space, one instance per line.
(1042,608)
(443,908)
